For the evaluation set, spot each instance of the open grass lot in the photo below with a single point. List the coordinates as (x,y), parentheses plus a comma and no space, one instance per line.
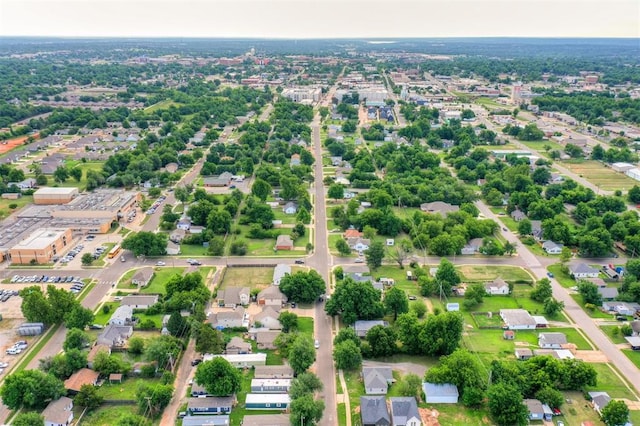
(285,218)
(614,337)
(459,415)
(333,239)
(488,273)
(250,277)
(634,356)
(491,342)
(128,389)
(165,104)
(405,212)
(266,248)
(577,410)
(102,317)
(160,278)
(70,164)
(5,211)
(634,417)
(355,389)
(193,250)
(601,176)
(305,326)
(108,415)
(609,382)
(563,278)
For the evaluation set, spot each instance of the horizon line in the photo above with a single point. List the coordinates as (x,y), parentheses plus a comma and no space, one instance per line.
(158,37)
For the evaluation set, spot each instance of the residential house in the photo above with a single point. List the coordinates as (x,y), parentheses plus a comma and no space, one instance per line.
(508,335)
(534,408)
(94,351)
(273,372)
(268,318)
(582,270)
(279,272)
(359,244)
(123,315)
(270,385)
(139,302)
(472,246)
(142,277)
(173,249)
(445,393)
(114,335)
(237,345)
(551,247)
(634,342)
(84,376)
(241,360)
(599,400)
(497,287)
(284,242)
(231,297)
(213,405)
(523,354)
(404,411)
(363,326)
(265,420)
(271,296)
(608,293)
(290,208)
(518,215)
(374,411)
(377,380)
(295,160)
(265,339)
(267,401)
(622,308)
(352,233)
(635,326)
(439,207)
(218,181)
(184,223)
(59,412)
(228,319)
(215,420)
(517,319)
(536,229)
(552,340)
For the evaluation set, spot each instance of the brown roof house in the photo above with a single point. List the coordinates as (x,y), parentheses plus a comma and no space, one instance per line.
(265,339)
(84,376)
(439,207)
(271,296)
(237,345)
(94,352)
(59,412)
(142,277)
(284,242)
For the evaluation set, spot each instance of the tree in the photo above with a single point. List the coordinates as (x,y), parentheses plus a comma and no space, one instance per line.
(219,377)
(589,293)
(177,324)
(634,194)
(419,308)
(306,411)
(509,248)
(289,321)
(303,215)
(261,189)
(347,355)
(78,317)
(88,397)
(153,398)
(162,350)
(216,246)
(396,302)
(355,300)
(382,341)
(505,405)
(461,368)
(565,255)
(474,295)
(181,193)
(525,227)
(441,334)
(542,291)
(146,243)
(343,247)
(35,306)
(61,174)
(347,333)
(303,287)
(106,364)
(302,354)
(209,340)
(28,419)
(615,413)
(336,191)
(400,252)
(30,389)
(447,276)
(550,396)
(410,385)
(552,307)
(76,173)
(76,339)
(374,255)
(87,259)
(304,384)
(135,345)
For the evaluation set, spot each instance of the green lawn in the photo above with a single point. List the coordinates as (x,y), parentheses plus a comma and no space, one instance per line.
(251,277)
(128,389)
(459,415)
(193,250)
(20,203)
(609,382)
(285,218)
(125,279)
(108,415)
(160,278)
(634,417)
(596,313)
(488,273)
(634,356)
(305,326)
(102,318)
(266,248)
(576,409)
(614,337)
(165,104)
(342,414)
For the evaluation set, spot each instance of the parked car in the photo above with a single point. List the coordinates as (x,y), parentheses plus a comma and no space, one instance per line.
(359,260)
(196,361)
(550,274)
(317,344)
(299,262)
(160,263)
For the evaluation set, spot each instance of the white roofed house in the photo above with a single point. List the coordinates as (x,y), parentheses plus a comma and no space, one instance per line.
(582,270)
(362,326)
(268,318)
(445,393)
(551,247)
(123,315)
(552,340)
(497,287)
(517,319)
(377,380)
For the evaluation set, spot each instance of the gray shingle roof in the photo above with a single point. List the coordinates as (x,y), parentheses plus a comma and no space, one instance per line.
(373,410)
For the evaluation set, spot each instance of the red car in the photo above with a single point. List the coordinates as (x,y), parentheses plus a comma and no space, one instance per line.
(556,412)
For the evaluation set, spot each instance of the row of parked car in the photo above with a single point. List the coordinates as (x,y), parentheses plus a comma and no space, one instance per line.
(44,279)
(17,348)
(155,205)
(6,294)
(73,253)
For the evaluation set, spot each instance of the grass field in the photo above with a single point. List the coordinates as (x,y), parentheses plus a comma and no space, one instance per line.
(601,176)
(488,273)
(128,389)
(108,415)
(193,250)
(614,337)
(251,277)
(160,278)
(634,356)
(576,409)
(305,326)
(459,415)
(610,383)
(5,211)
(161,105)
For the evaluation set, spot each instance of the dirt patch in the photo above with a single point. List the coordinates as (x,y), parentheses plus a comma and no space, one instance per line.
(429,416)
(524,344)
(591,356)
(403,367)
(9,144)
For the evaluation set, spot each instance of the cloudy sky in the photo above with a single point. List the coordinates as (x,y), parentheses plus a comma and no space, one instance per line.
(321,18)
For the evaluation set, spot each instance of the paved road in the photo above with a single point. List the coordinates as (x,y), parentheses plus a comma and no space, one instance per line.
(577,314)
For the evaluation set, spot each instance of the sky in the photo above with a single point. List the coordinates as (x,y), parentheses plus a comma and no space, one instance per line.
(301,19)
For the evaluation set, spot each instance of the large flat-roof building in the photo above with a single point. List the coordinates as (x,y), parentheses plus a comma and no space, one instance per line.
(42,245)
(48,195)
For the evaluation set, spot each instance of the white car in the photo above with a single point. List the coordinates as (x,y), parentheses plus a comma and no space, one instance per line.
(317,344)
(160,263)
(359,260)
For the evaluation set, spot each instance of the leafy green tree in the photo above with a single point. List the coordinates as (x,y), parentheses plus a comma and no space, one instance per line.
(181,193)
(135,345)
(28,419)
(419,308)
(152,399)
(343,247)
(447,276)
(634,194)
(302,354)
(87,259)
(304,384)
(216,246)
(400,252)
(506,406)
(303,287)
(347,355)
(336,191)
(35,306)
(375,255)
(146,243)
(306,411)
(441,334)
(589,293)
(162,349)
(303,215)
(88,397)
(460,368)
(31,389)
(61,174)
(78,317)
(209,340)
(382,341)
(396,302)
(76,173)
(410,385)
(525,227)
(550,396)
(75,339)
(288,321)
(106,364)
(552,307)
(355,300)
(219,377)
(177,324)
(347,333)
(615,413)
(542,291)
(474,295)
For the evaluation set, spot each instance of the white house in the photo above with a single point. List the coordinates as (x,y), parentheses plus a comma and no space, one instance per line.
(517,319)
(497,287)
(552,248)
(582,270)
(122,315)
(241,360)
(290,208)
(404,411)
(552,340)
(268,318)
(446,393)
(377,380)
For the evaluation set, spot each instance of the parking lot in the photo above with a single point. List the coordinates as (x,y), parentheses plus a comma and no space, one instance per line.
(89,245)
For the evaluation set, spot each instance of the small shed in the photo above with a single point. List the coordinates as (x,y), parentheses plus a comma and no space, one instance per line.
(115,378)
(508,335)
(445,393)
